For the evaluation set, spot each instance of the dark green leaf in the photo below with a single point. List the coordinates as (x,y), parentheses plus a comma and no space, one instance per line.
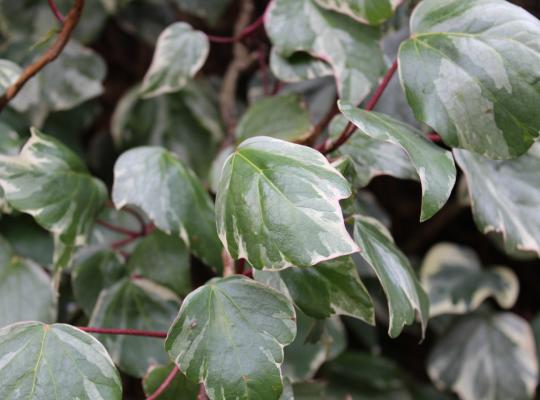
(179,389)
(210,10)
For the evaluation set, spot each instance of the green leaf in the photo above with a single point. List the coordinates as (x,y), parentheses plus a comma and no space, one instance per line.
(179,388)
(486,357)
(49,182)
(278,206)
(281,117)
(434,165)
(470,71)
(163,259)
(26,291)
(180,53)
(9,72)
(230,336)
(351,49)
(297,67)
(406,298)
(171,195)
(135,304)
(373,12)
(209,10)
(94,271)
(456,283)
(304,356)
(372,157)
(332,287)
(47,362)
(505,197)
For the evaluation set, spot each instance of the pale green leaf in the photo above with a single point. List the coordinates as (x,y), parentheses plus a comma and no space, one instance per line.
(49,182)
(135,304)
(489,357)
(278,206)
(180,54)
(9,72)
(332,287)
(297,67)
(26,291)
(351,49)
(406,298)
(179,389)
(505,196)
(471,71)
(434,165)
(281,117)
(373,12)
(230,336)
(50,362)
(456,283)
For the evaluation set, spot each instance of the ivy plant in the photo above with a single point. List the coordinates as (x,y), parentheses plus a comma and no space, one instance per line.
(269,199)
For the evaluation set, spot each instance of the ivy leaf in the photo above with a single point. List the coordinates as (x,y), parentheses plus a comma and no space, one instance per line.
(332,287)
(171,195)
(230,335)
(470,71)
(297,67)
(135,304)
(371,157)
(467,359)
(434,166)
(49,182)
(278,206)
(163,259)
(372,12)
(26,291)
(351,49)
(55,361)
(9,72)
(281,117)
(505,197)
(456,283)
(406,298)
(180,53)
(179,388)
(209,10)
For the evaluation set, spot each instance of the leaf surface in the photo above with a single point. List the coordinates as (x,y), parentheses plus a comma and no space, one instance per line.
(373,12)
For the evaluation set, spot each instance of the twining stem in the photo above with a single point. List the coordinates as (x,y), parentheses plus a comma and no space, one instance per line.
(326,148)
(248,30)
(321,125)
(168,380)
(68,25)
(58,15)
(128,332)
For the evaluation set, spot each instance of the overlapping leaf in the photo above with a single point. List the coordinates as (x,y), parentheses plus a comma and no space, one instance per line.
(371,12)
(278,206)
(179,388)
(180,53)
(297,67)
(351,49)
(505,196)
(471,70)
(487,357)
(230,336)
(434,165)
(406,298)
(53,185)
(46,362)
(171,195)
(456,283)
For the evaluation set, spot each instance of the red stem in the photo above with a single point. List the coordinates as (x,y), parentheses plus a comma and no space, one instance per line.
(129,332)
(351,128)
(117,229)
(56,11)
(168,380)
(246,32)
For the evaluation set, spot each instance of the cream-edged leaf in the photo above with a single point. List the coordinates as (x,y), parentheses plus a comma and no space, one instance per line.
(373,12)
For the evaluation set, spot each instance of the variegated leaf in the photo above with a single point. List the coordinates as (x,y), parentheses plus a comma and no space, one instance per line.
(230,335)
(53,185)
(9,72)
(298,66)
(351,49)
(435,166)
(49,362)
(456,283)
(373,12)
(505,198)
(471,70)
(406,297)
(488,357)
(171,195)
(278,206)
(180,53)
